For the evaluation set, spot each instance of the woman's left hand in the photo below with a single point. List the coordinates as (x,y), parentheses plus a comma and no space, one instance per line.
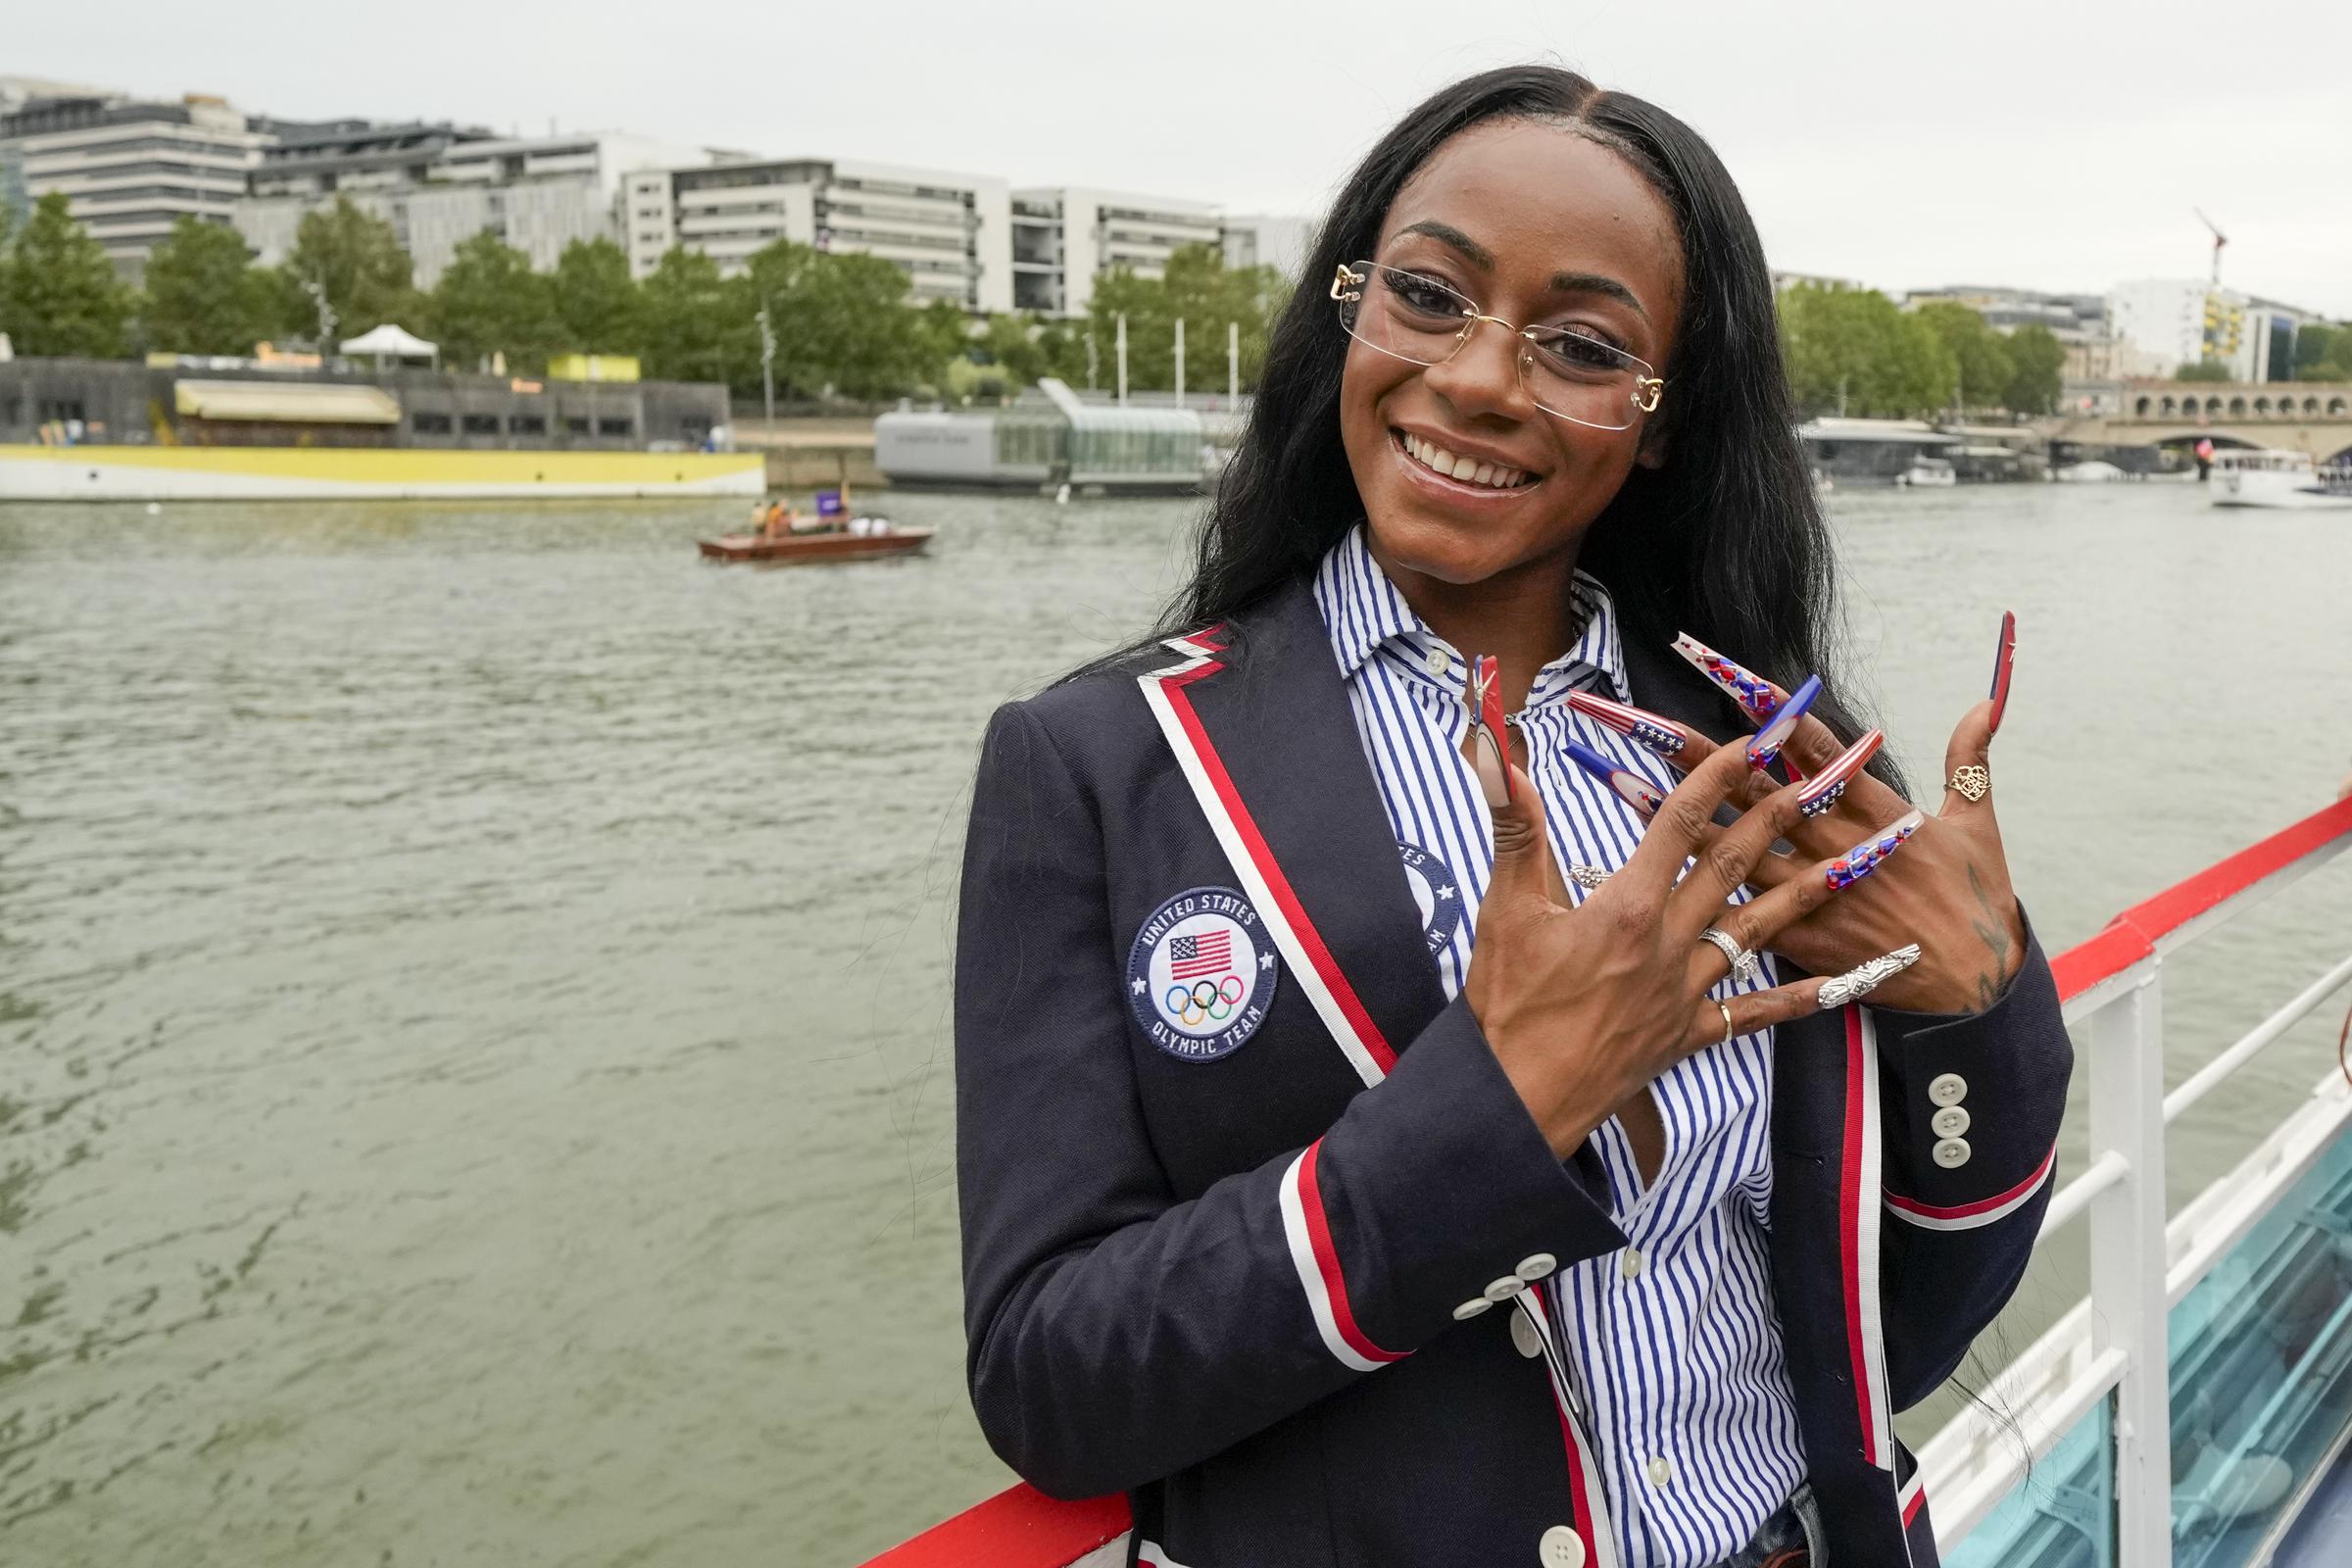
(1946,888)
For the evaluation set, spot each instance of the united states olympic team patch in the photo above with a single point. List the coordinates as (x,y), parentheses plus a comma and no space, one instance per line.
(1436,893)
(1200,975)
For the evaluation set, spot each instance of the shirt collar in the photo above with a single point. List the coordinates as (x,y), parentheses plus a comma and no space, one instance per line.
(1364,611)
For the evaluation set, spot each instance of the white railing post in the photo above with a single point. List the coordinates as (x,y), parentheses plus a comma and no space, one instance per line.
(2127,1262)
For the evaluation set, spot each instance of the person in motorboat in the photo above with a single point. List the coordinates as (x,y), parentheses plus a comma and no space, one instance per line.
(1407,1113)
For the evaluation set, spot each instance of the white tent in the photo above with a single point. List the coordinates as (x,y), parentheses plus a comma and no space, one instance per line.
(390,342)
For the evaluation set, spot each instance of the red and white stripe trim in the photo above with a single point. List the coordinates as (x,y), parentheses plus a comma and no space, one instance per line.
(1985,1211)
(1150,1554)
(1261,876)
(1910,1496)
(1308,1229)
(1588,1502)
(1858,1205)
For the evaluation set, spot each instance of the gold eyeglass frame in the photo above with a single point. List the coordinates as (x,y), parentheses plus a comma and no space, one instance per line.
(1347,286)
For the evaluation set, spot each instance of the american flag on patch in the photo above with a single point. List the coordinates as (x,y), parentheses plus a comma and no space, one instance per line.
(1195,956)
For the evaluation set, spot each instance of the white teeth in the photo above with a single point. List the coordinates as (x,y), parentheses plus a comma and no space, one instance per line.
(1470,471)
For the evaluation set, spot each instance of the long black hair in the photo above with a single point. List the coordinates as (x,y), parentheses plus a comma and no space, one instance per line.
(1724,541)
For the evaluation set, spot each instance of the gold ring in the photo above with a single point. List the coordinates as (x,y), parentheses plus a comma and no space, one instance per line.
(1724,1009)
(1971,781)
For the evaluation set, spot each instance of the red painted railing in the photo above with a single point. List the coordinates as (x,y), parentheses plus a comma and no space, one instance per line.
(1023,1527)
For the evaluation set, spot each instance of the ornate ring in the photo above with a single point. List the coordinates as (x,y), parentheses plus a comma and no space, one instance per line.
(1724,1009)
(1588,877)
(1971,781)
(1742,961)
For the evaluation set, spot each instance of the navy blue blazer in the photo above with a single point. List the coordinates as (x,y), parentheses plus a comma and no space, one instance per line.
(1238,1278)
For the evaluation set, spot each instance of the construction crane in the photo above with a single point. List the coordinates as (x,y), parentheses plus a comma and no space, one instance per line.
(2219,239)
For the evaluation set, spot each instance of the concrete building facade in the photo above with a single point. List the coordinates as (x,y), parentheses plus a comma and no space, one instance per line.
(131,168)
(439,186)
(1064,237)
(950,234)
(1266,239)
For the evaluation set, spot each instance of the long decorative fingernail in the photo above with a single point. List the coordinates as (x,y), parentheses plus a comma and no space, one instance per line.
(1661,735)
(1864,978)
(1755,695)
(1864,857)
(1765,744)
(1631,787)
(2002,659)
(1484,696)
(1822,790)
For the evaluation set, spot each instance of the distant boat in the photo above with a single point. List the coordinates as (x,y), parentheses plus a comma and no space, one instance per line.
(1927,473)
(2096,471)
(793,549)
(2264,477)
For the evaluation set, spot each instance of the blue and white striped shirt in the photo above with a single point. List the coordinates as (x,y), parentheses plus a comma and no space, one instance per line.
(1674,1340)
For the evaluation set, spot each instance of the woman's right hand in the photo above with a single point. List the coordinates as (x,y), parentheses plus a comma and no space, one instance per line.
(1584,1005)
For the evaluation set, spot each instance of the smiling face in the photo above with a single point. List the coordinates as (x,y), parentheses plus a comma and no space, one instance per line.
(1541,228)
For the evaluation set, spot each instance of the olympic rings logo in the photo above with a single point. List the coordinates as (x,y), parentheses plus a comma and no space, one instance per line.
(1204,1002)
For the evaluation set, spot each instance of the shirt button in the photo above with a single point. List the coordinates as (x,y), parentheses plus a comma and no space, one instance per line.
(1435,662)
(1562,1548)
(1953,1152)
(1524,1336)
(1949,1122)
(1948,1089)
(1472,1307)
(1534,1266)
(1661,1470)
(1503,1289)
(1630,1265)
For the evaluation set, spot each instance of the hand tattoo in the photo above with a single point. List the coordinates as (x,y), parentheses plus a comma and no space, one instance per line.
(1993,932)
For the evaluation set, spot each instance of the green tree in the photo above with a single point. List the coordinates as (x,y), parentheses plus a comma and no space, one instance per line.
(2323,353)
(488,301)
(842,323)
(204,294)
(699,325)
(63,295)
(600,306)
(2037,370)
(2203,370)
(1199,289)
(1851,350)
(353,259)
(1980,357)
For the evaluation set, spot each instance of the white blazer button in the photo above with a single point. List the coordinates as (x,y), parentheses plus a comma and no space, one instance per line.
(1563,1548)
(1503,1289)
(1949,1122)
(1523,1334)
(1948,1089)
(1472,1307)
(1536,1265)
(1953,1152)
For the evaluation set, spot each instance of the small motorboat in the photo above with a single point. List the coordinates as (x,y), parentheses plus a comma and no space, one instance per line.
(832,544)
(1929,473)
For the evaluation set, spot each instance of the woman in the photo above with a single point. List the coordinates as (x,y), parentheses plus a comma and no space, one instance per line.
(1373,1154)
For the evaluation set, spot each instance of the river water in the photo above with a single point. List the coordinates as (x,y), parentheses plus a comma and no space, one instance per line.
(474,1013)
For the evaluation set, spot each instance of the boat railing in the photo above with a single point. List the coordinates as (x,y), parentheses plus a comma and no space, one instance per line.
(2100,1382)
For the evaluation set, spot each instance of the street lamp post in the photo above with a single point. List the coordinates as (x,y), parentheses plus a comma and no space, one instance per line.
(767,368)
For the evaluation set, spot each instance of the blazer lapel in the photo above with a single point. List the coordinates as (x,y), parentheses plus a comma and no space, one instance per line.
(1258,719)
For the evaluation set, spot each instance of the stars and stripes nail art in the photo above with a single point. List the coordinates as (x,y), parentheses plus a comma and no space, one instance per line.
(1865,857)
(1822,790)
(1765,746)
(1661,735)
(1752,692)
(1484,694)
(1631,787)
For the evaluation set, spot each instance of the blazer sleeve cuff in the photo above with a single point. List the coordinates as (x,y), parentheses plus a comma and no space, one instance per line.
(1436,1189)
(2004,1071)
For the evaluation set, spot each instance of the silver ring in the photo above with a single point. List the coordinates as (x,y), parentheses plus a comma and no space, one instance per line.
(1742,961)
(1588,877)
(1725,1008)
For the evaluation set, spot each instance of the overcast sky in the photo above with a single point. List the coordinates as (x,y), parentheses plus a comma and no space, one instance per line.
(2055,145)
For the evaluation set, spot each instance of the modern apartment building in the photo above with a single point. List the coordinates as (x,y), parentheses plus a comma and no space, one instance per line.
(440,185)
(132,168)
(948,232)
(2187,321)
(1266,239)
(1064,237)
